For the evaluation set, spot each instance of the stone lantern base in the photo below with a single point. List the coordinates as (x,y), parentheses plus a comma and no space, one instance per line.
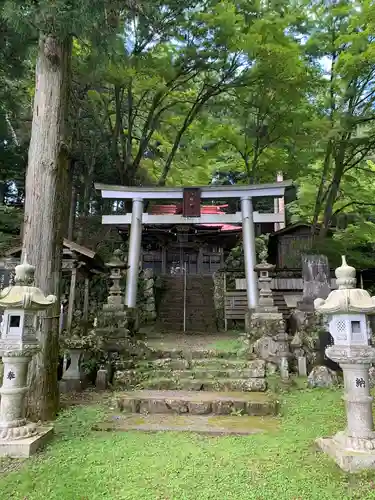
(25,447)
(341,449)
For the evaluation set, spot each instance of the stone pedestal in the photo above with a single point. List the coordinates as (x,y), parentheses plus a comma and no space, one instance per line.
(268,324)
(18,437)
(101,382)
(13,392)
(25,447)
(148,306)
(114,323)
(71,379)
(302,366)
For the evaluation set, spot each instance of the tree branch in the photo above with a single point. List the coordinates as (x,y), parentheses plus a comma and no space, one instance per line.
(360,203)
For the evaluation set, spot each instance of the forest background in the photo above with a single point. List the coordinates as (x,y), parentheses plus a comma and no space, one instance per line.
(190,93)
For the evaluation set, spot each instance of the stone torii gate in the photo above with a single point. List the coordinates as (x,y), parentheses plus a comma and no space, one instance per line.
(191,197)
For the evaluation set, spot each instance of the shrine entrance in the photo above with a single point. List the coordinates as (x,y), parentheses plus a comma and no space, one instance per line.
(183,254)
(186,258)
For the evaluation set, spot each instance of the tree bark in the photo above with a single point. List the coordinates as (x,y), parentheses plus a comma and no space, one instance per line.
(46,217)
(72,214)
(335,186)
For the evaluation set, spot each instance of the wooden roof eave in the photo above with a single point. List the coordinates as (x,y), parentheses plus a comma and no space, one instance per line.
(91,259)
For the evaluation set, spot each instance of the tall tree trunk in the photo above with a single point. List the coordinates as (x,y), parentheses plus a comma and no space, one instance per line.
(320,194)
(45,219)
(334,188)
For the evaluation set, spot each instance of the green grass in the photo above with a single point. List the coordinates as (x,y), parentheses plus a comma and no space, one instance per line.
(280,464)
(226,345)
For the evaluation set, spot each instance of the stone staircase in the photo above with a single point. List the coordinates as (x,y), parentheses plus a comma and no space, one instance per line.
(279,301)
(188,390)
(202,374)
(200,309)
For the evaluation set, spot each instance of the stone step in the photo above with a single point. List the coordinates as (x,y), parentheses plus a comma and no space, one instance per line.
(162,353)
(217,363)
(192,384)
(178,309)
(194,364)
(197,403)
(196,374)
(190,308)
(214,425)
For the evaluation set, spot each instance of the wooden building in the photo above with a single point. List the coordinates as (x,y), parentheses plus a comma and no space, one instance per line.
(77,260)
(201,248)
(286,246)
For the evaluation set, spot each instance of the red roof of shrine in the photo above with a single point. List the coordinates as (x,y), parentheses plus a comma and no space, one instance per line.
(205,209)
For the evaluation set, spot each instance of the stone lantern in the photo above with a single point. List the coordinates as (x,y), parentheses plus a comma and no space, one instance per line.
(116,296)
(112,325)
(18,343)
(346,310)
(273,345)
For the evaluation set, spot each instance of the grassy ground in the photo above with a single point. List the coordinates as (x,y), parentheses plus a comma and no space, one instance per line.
(230,343)
(280,464)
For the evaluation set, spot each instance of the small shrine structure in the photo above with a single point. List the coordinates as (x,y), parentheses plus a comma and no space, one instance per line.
(77,261)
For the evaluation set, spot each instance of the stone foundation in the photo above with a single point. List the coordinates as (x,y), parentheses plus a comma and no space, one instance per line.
(24,448)
(219,296)
(148,303)
(347,459)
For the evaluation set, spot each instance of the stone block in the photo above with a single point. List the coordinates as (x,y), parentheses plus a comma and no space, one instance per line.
(256,369)
(347,460)
(128,405)
(24,448)
(172,364)
(252,385)
(302,366)
(199,407)
(271,368)
(259,409)
(101,382)
(153,406)
(223,407)
(322,376)
(265,348)
(177,406)
(70,385)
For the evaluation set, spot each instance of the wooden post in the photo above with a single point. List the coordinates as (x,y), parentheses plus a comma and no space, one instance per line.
(86,299)
(163,260)
(200,261)
(72,293)
(225,302)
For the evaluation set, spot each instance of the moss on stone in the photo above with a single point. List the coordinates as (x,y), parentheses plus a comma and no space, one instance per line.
(190,423)
(244,422)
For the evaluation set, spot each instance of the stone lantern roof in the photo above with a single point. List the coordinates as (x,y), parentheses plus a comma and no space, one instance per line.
(347,299)
(24,295)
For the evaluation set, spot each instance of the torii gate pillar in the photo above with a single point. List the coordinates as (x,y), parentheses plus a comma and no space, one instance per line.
(134,253)
(248,236)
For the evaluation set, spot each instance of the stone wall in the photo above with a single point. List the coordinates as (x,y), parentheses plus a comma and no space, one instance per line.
(147,299)
(219,298)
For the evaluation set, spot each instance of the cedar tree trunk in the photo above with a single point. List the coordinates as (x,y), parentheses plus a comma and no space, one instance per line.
(46,211)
